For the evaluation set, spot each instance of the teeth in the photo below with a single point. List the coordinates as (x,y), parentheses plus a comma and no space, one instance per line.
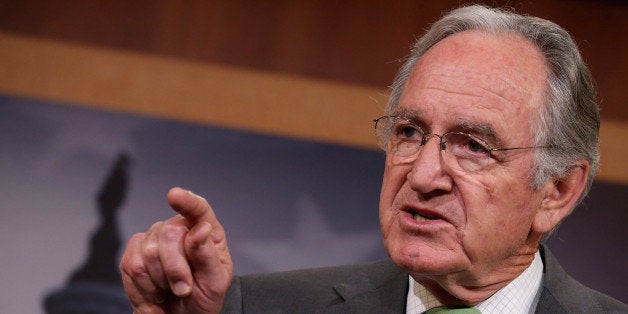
(418,217)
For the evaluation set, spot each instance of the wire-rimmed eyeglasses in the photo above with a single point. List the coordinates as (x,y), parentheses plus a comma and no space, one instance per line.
(403,139)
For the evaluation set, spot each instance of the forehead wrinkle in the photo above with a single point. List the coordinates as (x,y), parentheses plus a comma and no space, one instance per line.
(498,87)
(503,92)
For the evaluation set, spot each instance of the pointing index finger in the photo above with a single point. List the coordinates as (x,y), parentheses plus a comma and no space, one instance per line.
(191,206)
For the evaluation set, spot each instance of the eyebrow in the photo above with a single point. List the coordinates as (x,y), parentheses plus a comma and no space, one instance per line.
(411,114)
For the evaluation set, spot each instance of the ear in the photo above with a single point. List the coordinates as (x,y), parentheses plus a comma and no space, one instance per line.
(560,196)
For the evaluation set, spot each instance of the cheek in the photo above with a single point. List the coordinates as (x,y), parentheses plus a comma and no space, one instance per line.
(476,192)
(497,208)
(394,178)
(483,201)
(498,190)
(513,197)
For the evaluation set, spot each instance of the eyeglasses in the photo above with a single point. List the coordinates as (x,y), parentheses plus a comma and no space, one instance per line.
(403,139)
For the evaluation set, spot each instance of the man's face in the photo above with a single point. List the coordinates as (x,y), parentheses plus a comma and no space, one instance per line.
(439,221)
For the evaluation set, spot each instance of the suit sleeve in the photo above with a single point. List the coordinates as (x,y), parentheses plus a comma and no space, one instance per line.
(233,299)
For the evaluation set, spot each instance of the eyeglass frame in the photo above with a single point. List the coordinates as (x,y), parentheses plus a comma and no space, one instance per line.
(426,135)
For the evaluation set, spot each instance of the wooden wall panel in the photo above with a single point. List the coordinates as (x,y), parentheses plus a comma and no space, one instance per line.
(352,41)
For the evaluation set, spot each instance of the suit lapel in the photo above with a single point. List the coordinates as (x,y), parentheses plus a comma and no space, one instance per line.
(561,293)
(383,291)
(548,304)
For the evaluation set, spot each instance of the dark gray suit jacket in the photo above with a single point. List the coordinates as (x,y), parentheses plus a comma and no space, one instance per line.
(381,287)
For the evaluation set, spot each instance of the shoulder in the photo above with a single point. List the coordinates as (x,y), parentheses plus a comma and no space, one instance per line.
(315,288)
(320,281)
(562,293)
(372,272)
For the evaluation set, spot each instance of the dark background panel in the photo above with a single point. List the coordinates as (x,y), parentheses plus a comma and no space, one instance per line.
(591,243)
(285,203)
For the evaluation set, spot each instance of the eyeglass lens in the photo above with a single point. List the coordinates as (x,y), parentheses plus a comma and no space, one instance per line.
(461,150)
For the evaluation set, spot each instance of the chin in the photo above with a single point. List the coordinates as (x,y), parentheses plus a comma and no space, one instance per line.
(425,260)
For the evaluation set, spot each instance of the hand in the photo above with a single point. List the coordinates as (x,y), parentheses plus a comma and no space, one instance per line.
(181,265)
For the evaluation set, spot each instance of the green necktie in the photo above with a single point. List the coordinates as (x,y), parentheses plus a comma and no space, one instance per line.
(452,310)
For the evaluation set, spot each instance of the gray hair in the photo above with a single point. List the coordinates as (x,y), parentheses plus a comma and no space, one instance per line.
(569,122)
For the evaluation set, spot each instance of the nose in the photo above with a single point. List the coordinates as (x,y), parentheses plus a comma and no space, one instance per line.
(428,175)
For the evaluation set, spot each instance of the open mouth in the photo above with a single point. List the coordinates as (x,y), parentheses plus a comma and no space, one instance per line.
(423,216)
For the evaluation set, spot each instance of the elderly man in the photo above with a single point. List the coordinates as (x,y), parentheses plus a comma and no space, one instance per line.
(491,140)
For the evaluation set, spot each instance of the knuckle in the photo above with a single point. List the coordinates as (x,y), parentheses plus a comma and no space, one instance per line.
(135,269)
(150,251)
(131,251)
(173,232)
(156,225)
(136,239)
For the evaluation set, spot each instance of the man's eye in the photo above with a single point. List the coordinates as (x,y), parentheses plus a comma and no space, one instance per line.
(408,132)
(475,146)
